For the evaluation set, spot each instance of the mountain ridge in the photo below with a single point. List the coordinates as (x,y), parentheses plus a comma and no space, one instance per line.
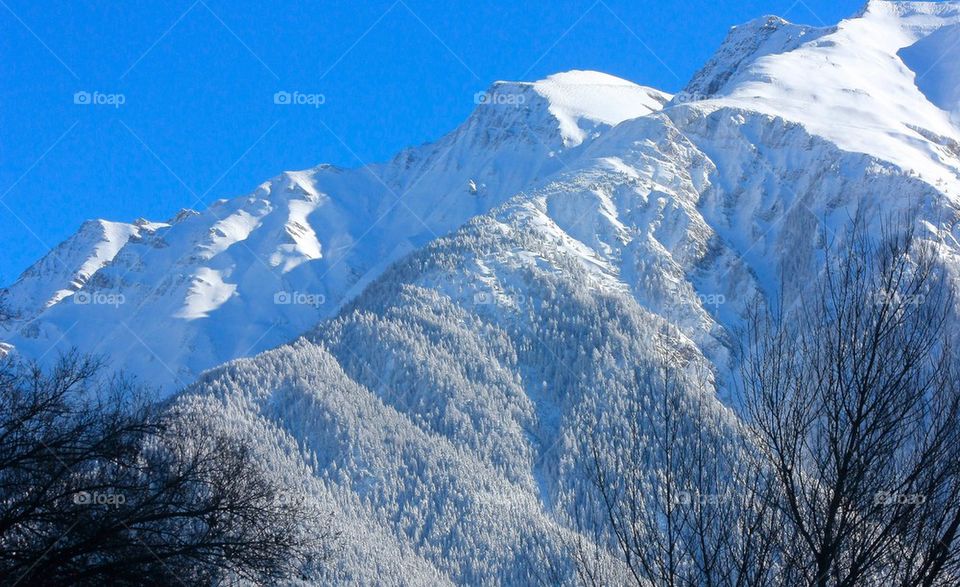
(256,271)
(438,385)
(514,137)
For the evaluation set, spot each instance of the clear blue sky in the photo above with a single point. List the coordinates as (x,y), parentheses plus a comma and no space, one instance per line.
(198,78)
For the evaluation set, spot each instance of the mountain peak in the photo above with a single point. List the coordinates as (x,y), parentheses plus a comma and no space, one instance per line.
(864,84)
(580,100)
(294,251)
(744,45)
(573,77)
(587,77)
(908,8)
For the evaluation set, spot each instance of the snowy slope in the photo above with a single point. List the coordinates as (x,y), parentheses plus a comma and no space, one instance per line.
(848,83)
(450,418)
(70,265)
(477,307)
(449,402)
(937,73)
(166,301)
(582,101)
(511,339)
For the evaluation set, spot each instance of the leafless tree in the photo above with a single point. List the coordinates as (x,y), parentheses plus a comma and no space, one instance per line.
(845,467)
(852,392)
(678,496)
(98,486)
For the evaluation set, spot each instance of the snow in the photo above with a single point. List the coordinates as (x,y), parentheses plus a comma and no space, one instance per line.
(783,120)
(232,230)
(457,346)
(70,265)
(848,84)
(252,272)
(207,292)
(937,71)
(305,246)
(577,97)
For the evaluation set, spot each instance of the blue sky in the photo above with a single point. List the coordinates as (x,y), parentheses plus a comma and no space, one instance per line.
(197,80)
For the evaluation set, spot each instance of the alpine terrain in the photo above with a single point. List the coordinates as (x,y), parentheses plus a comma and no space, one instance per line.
(430,348)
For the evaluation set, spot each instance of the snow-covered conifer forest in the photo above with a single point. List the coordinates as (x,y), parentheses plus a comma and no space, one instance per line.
(597,334)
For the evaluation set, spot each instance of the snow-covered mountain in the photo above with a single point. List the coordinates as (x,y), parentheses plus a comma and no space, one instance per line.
(475,308)
(167,300)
